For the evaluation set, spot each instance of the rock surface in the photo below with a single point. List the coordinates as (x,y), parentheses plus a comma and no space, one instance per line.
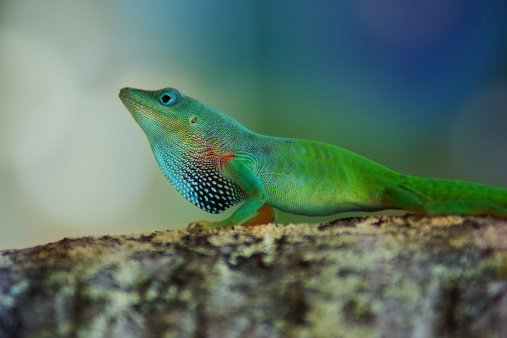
(373,276)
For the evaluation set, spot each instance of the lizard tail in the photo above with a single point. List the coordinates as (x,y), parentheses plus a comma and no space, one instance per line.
(433,196)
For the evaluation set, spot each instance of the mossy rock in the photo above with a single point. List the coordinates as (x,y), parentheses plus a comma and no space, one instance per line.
(357,277)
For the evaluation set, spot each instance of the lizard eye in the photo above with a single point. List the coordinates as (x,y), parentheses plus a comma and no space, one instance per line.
(167,98)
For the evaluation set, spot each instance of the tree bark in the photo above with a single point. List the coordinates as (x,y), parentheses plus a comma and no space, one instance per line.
(368,276)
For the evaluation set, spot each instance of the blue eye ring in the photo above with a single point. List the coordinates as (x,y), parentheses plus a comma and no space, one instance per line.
(168,98)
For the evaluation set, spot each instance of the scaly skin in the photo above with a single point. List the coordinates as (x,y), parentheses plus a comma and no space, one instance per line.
(216,163)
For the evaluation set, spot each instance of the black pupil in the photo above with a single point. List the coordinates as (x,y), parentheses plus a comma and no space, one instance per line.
(165,98)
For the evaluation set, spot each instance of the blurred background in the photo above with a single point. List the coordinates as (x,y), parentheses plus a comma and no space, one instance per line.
(419,86)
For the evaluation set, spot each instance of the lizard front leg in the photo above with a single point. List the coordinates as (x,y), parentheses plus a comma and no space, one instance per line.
(237,169)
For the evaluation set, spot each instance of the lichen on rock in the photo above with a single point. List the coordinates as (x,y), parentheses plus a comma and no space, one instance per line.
(370,276)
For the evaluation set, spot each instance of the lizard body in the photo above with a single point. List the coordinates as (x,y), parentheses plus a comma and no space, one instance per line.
(215,162)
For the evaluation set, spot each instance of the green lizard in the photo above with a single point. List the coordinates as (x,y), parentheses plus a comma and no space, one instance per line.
(215,162)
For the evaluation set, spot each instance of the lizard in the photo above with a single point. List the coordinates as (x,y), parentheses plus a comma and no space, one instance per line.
(215,163)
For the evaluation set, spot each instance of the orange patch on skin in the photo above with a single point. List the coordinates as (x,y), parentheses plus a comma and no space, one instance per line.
(266,215)
(226,158)
(207,153)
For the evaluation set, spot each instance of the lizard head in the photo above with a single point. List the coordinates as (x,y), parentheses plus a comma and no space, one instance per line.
(189,140)
(162,113)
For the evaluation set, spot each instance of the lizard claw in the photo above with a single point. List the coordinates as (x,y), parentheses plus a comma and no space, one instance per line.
(201,225)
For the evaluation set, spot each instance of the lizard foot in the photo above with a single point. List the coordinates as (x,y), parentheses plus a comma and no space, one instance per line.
(206,225)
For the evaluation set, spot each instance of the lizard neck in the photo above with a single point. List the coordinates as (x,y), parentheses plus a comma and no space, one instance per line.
(192,165)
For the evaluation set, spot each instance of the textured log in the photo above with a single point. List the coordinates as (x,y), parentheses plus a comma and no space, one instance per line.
(386,276)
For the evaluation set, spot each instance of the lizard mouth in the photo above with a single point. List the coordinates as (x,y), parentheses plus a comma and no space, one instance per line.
(137,107)
(128,97)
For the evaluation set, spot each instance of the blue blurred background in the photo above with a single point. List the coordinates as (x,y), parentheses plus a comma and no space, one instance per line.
(417,85)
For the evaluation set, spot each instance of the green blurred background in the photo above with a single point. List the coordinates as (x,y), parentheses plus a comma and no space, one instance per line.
(419,86)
